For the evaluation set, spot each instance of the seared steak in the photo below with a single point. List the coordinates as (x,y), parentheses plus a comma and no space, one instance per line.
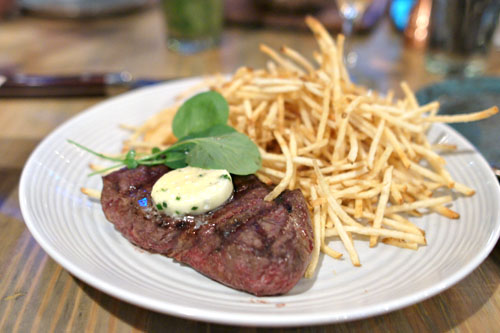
(249,244)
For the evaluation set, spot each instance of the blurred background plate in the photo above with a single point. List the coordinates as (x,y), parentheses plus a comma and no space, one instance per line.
(469,95)
(81,9)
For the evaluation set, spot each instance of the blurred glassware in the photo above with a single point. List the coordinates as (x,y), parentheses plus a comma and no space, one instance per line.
(81,8)
(290,14)
(460,34)
(193,25)
(351,10)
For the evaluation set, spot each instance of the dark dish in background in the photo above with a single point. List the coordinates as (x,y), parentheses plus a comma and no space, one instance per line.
(467,95)
(82,8)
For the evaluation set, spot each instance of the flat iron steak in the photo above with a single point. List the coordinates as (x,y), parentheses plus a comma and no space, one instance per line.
(248,244)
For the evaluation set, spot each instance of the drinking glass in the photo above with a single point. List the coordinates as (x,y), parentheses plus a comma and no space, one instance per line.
(351,11)
(193,25)
(460,35)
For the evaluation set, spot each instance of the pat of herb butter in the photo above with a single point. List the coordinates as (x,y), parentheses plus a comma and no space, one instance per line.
(191,191)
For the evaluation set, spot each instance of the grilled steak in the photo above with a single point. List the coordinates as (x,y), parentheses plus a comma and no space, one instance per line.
(249,244)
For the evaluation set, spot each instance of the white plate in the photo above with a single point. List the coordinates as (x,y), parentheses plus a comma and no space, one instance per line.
(73,231)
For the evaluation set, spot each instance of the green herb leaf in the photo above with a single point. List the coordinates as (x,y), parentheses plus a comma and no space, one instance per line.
(206,141)
(234,152)
(199,113)
(215,130)
(175,160)
(130,161)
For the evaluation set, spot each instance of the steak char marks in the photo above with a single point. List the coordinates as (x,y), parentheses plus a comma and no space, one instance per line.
(248,244)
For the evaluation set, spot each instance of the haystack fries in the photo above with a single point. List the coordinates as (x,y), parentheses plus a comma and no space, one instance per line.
(362,160)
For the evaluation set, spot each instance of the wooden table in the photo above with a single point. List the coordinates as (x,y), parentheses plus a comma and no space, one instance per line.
(38,295)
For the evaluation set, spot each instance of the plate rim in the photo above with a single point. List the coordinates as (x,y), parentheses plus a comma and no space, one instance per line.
(207,315)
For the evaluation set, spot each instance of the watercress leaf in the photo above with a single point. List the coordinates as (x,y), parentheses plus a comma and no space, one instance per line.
(234,152)
(129,160)
(175,159)
(215,130)
(155,155)
(130,155)
(181,146)
(199,113)
(131,164)
(176,164)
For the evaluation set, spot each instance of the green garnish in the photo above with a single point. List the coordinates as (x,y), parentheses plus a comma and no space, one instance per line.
(159,206)
(194,208)
(199,113)
(177,212)
(225,177)
(177,198)
(164,204)
(205,141)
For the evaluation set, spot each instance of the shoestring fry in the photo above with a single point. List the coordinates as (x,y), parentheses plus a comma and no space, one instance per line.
(361,159)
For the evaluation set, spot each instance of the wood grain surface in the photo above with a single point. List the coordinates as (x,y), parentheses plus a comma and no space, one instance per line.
(38,295)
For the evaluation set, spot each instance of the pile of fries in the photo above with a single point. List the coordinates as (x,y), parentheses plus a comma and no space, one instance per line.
(362,160)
